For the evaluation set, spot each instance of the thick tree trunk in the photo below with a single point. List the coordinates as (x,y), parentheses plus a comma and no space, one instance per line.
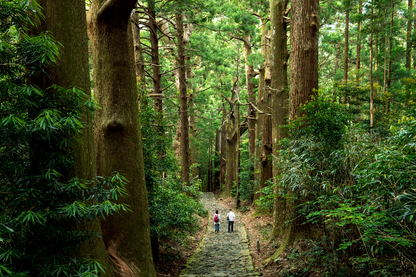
(183,96)
(66,19)
(278,56)
(303,54)
(260,106)
(409,43)
(117,134)
(303,85)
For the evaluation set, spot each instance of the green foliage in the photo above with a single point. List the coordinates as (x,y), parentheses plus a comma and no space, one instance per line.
(39,208)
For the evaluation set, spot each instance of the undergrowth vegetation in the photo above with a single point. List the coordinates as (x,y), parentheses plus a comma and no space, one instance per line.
(356,186)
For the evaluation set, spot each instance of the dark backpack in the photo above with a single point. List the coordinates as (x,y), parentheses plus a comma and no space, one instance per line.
(216,219)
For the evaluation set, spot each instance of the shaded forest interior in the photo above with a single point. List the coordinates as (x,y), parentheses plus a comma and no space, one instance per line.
(116,114)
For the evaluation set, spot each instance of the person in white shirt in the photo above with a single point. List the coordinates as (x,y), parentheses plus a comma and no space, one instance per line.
(231,218)
(217,218)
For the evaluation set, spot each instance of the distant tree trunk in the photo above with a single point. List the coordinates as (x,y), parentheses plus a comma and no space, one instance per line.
(209,179)
(409,43)
(223,144)
(347,23)
(138,56)
(280,111)
(217,160)
(157,93)
(266,150)
(118,135)
(237,160)
(390,50)
(260,105)
(385,67)
(66,20)
(183,95)
(232,126)
(251,112)
(371,72)
(360,12)
(192,130)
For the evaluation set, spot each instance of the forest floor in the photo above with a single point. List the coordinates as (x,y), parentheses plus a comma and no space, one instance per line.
(258,227)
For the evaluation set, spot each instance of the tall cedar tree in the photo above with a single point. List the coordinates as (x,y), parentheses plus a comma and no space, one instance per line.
(117,134)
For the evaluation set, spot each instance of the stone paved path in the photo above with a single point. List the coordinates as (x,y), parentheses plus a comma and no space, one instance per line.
(223,253)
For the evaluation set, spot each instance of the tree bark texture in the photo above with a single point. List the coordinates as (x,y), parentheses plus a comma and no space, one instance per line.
(280,95)
(66,19)
(117,134)
(183,95)
(304,31)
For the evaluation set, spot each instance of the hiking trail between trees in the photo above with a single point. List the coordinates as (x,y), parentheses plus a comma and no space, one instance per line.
(222,253)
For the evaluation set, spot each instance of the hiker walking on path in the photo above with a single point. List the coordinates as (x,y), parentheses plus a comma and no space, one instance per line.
(231,218)
(217,218)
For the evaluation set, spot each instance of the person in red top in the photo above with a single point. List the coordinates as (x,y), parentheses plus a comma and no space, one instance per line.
(217,218)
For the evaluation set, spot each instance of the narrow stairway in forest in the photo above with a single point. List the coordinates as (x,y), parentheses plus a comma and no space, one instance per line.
(223,253)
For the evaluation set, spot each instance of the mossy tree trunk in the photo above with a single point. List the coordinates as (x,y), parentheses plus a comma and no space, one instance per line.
(280,111)
(66,20)
(117,134)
